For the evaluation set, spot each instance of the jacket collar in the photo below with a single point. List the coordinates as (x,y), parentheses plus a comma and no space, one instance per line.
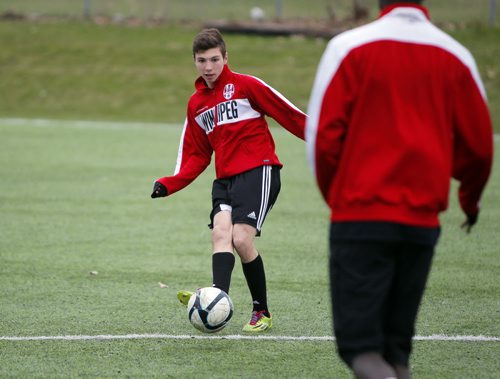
(200,83)
(417,8)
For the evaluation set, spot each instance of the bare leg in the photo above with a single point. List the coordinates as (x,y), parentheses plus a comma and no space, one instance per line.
(243,241)
(222,233)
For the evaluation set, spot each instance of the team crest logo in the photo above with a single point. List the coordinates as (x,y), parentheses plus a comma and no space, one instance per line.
(228,91)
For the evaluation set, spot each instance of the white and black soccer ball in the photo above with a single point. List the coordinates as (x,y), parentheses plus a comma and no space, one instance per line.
(209,309)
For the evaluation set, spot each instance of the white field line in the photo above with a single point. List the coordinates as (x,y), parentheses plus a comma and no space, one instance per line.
(141,125)
(434,337)
(81,124)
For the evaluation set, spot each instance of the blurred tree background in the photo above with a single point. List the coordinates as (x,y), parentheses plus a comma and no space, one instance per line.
(131,59)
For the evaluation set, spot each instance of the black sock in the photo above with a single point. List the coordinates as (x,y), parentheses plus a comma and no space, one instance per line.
(371,365)
(256,280)
(222,268)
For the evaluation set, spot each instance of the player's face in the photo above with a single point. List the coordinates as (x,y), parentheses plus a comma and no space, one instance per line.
(210,64)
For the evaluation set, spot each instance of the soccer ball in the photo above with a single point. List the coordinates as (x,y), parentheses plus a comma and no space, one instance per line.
(257,14)
(209,309)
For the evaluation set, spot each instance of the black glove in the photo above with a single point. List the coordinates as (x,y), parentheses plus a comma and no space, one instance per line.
(469,222)
(159,190)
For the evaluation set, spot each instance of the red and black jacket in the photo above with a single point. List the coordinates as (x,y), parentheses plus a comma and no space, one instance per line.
(229,120)
(398,108)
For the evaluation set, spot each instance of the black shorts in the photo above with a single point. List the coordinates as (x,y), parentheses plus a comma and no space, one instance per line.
(249,196)
(376,289)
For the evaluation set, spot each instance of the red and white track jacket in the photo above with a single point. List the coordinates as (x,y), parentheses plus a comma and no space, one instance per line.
(397,108)
(230,121)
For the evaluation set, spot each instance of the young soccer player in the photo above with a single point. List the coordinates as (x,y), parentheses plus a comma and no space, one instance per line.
(226,116)
(397,108)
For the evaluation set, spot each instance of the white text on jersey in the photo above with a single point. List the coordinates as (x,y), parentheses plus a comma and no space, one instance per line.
(227,112)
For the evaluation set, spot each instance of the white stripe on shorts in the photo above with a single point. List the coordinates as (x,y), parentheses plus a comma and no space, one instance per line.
(266,189)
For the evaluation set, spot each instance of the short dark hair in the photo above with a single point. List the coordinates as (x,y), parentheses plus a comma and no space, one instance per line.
(208,39)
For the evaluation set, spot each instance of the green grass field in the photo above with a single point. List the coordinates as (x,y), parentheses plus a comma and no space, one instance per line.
(442,10)
(177,9)
(77,70)
(74,198)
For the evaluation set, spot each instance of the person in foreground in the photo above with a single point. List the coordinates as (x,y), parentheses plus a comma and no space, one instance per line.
(226,115)
(396,109)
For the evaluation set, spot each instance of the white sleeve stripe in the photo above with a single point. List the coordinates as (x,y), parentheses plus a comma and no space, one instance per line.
(392,27)
(181,146)
(327,68)
(277,93)
(396,27)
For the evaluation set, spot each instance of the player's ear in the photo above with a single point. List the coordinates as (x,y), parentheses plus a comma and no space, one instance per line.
(225,58)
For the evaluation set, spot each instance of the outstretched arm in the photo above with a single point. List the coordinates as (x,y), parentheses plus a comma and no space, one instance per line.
(195,153)
(277,106)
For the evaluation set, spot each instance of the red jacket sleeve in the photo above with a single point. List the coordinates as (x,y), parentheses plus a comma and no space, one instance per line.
(275,105)
(332,114)
(473,142)
(195,153)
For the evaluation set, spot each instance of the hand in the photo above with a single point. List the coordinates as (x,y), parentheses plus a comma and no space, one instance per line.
(159,190)
(469,222)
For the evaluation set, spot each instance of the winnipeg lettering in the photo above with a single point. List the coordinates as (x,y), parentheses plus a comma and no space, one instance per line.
(226,112)
(207,120)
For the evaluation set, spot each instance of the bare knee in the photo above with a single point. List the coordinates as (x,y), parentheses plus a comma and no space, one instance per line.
(241,242)
(243,237)
(222,233)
